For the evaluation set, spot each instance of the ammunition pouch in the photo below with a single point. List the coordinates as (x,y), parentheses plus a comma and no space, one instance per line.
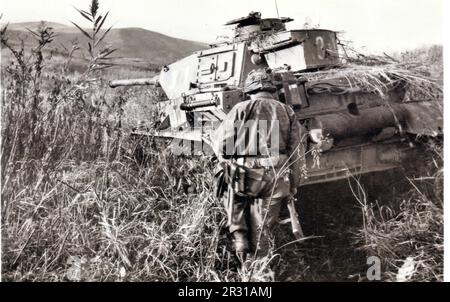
(235,176)
(248,182)
(230,174)
(248,178)
(256,181)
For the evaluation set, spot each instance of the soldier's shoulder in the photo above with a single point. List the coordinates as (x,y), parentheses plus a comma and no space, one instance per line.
(243,105)
(275,103)
(270,100)
(288,108)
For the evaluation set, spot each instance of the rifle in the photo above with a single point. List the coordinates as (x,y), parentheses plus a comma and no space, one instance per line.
(235,184)
(295,223)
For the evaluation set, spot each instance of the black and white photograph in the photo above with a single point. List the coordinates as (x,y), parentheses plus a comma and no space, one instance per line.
(222,141)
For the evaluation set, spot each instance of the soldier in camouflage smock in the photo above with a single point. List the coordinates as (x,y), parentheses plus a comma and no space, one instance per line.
(261,155)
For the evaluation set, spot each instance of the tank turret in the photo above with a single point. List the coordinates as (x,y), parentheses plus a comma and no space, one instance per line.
(296,50)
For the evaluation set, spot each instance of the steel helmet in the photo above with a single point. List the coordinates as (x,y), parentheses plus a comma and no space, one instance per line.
(259,80)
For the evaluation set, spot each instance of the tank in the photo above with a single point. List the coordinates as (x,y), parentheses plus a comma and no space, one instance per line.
(352,130)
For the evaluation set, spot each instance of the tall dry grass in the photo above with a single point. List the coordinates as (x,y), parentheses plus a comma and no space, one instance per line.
(76,202)
(407,231)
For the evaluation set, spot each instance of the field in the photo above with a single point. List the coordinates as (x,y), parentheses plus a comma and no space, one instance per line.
(77,204)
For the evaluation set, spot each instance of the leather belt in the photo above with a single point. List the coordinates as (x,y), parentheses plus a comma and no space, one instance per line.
(258,162)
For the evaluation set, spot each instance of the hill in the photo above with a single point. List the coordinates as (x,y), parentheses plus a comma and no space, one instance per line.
(135,45)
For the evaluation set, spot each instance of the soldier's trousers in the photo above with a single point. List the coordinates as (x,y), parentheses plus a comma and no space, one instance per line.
(257,216)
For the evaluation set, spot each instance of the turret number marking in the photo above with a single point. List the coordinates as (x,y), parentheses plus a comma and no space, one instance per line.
(320,44)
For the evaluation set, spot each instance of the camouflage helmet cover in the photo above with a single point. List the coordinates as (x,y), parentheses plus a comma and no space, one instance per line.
(259,80)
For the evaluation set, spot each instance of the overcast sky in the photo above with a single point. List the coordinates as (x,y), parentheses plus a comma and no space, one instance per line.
(389,25)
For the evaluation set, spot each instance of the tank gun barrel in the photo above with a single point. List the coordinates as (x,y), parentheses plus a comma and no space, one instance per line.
(135,82)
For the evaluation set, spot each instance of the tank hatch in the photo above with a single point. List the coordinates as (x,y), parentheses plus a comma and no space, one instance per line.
(253,24)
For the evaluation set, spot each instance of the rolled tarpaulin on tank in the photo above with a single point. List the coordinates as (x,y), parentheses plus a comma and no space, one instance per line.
(344,124)
(424,118)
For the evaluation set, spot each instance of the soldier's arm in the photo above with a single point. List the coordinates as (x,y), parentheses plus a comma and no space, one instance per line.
(296,150)
(221,136)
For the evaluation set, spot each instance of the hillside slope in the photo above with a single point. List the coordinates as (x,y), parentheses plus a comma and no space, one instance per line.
(136,44)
